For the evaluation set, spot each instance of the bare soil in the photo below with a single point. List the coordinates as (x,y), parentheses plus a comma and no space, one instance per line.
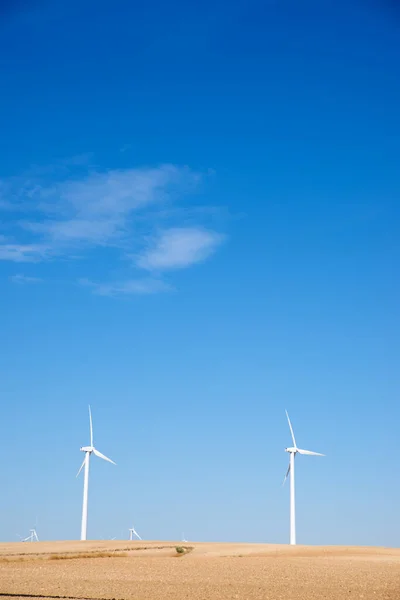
(154,571)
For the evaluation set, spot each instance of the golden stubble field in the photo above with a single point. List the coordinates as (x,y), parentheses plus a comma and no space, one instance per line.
(207,571)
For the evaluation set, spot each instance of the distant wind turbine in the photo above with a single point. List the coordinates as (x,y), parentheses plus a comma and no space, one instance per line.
(33,537)
(133,532)
(86,463)
(292,452)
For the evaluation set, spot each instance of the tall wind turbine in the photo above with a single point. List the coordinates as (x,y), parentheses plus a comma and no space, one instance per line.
(133,532)
(292,453)
(86,463)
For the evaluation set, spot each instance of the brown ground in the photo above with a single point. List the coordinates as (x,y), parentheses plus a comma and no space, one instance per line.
(150,570)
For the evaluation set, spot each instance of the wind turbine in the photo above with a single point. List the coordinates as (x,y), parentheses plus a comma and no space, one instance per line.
(33,537)
(133,532)
(292,453)
(88,450)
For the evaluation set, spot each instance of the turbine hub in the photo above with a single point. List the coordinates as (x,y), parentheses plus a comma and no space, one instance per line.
(291,450)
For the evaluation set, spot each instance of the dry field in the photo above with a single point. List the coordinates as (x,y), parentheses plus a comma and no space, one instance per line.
(153,570)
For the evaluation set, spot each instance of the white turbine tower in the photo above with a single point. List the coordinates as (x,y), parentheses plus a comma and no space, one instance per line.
(34,536)
(86,463)
(133,532)
(292,452)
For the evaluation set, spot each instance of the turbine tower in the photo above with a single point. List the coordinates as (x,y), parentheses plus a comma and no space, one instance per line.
(133,532)
(34,536)
(88,450)
(292,453)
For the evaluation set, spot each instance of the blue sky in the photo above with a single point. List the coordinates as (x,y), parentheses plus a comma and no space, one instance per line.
(199,228)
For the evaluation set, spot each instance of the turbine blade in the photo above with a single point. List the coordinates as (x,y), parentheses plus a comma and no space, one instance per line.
(91,426)
(287,474)
(136,533)
(309,453)
(100,455)
(81,467)
(291,429)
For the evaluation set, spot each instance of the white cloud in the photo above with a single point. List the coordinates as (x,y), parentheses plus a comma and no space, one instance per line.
(178,248)
(95,209)
(118,191)
(128,287)
(24,279)
(71,210)
(22,252)
(77,231)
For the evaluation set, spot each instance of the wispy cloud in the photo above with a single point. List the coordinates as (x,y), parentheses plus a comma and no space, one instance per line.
(179,248)
(22,252)
(21,279)
(128,287)
(95,209)
(75,209)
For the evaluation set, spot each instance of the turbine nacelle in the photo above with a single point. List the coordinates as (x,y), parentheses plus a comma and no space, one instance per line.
(86,449)
(291,450)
